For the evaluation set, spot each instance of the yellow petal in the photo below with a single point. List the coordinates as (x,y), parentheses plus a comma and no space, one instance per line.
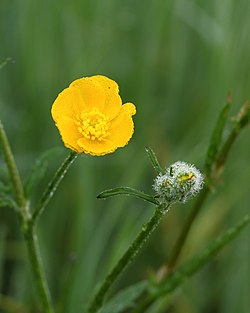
(68,103)
(78,103)
(122,127)
(113,101)
(69,133)
(91,92)
(95,147)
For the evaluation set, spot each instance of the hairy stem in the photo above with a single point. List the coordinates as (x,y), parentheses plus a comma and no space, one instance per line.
(25,225)
(14,174)
(37,271)
(52,186)
(128,256)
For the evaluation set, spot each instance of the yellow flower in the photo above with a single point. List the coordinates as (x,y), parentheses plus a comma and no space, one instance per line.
(91,118)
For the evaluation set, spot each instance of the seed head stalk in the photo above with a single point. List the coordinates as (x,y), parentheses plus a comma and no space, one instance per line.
(128,256)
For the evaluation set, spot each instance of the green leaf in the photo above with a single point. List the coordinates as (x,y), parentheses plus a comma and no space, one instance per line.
(127,191)
(153,160)
(216,136)
(125,299)
(192,266)
(39,169)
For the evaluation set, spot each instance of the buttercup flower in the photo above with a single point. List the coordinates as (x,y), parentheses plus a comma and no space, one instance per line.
(179,183)
(91,118)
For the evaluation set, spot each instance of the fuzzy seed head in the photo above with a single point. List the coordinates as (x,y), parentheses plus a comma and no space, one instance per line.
(179,183)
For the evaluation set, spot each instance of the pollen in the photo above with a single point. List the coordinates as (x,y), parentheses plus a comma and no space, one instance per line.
(185,177)
(93,124)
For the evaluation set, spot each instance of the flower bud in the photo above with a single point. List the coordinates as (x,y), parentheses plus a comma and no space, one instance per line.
(179,183)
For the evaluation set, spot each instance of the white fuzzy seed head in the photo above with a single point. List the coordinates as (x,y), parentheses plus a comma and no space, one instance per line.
(179,183)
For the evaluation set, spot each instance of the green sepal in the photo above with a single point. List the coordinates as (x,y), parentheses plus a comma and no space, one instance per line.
(127,191)
(154,161)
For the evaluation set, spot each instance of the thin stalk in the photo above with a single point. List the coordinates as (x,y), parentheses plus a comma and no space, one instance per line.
(26,228)
(128,256)
(52,186)
(14,174)
(36,267)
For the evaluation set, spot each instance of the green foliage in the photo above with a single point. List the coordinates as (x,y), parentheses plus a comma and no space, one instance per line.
(127,191)
(176,60)
(126,298)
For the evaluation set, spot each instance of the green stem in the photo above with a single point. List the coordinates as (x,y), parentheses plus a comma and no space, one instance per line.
(25,224)
(14,174)
(52,186)
(128,256)
(36,267)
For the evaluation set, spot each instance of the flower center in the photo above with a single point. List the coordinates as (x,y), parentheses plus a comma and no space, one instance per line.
(93,124)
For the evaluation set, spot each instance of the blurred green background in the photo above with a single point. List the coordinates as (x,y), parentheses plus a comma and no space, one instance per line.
(176,60)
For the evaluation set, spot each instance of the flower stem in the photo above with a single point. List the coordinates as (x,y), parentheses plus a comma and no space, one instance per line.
(128,256)
(14,174)
(36,267)
(25,224)
(52,186)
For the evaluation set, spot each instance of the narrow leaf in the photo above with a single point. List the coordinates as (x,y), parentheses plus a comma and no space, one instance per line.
(216,136)
(192,266)
(153,160)
(125,299)
(127,191)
